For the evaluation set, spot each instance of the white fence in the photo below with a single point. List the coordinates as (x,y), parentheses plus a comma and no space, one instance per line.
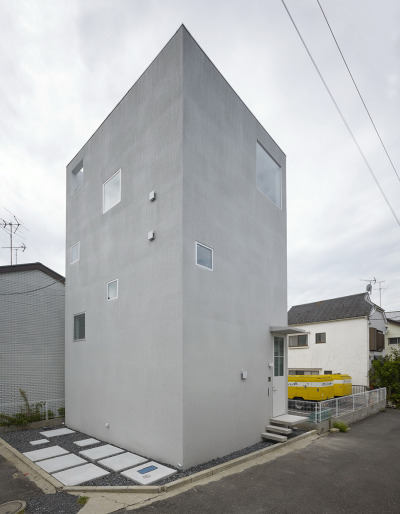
(20,413)
(315,412)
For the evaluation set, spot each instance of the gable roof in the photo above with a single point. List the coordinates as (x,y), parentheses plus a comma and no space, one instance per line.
(33,266)
(345,307)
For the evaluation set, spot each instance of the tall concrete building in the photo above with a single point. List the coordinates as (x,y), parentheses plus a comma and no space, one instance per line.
(176,268)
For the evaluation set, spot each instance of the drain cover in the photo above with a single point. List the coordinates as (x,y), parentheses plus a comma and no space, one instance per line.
(12,507)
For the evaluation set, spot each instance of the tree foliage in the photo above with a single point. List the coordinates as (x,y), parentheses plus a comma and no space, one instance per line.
(385,372)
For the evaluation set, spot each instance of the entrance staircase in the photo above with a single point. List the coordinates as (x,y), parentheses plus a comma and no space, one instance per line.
(281,426)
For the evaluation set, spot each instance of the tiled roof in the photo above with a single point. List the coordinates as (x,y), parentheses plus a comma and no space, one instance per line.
(354,306)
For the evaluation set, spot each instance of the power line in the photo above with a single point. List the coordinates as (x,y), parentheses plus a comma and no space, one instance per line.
(358,91)
(31,291)
(342,116)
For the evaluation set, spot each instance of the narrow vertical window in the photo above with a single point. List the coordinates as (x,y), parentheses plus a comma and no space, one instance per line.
(112,290)
(112,191)
(75,250)
(79,326)
(279,356)
(268,176)
(204,256)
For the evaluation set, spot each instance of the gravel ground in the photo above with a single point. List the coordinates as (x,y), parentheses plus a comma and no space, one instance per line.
(20,441)
(58,503)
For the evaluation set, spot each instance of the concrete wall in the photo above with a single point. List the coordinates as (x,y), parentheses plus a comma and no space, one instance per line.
(128,371)
(227,311)
(161,364)
(31,336)
(346,349)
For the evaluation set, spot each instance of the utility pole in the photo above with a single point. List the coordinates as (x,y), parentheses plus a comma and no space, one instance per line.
(11,228)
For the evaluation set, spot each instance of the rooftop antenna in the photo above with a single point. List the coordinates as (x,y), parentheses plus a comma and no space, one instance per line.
(11,228)
(369,286)
(380,288)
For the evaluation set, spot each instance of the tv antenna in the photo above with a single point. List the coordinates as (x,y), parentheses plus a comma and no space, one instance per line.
(369,285)
(11,228)
(380,288)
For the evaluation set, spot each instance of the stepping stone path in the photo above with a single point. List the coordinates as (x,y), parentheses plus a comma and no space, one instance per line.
(80,474)
(45,453)
(148,473)
(57,432)
(70,469)
(122,461)
(60,463)
(86,442)
(100,452)
(38,441)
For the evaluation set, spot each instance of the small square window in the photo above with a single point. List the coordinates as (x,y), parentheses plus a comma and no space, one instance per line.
(77,177)
(79,326)
(112,290)
(204,256)
(320,337)
(268,176)
(327,372)
(75,250)
(112,191)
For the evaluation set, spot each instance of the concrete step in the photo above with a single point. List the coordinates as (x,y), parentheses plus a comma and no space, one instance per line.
(278,429)
(274,437)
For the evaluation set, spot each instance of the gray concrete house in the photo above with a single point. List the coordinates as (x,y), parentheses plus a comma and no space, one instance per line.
(176,268)
(31,335)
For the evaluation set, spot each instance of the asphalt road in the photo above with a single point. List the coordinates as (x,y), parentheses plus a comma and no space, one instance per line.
(14,485)
(354,472)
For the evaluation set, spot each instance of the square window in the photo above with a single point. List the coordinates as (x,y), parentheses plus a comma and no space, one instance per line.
(112,191)
(268,176)
(77,177)
(204,256)
(320,337)
(75,252)
(79,326)
(112,290)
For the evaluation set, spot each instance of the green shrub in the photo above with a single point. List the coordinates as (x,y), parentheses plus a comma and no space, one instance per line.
(61,412)
(341,426)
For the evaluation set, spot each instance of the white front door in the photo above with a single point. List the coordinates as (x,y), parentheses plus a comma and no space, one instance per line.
(279,395)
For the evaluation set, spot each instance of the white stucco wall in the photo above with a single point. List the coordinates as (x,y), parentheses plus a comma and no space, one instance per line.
(393,331)
(346,349)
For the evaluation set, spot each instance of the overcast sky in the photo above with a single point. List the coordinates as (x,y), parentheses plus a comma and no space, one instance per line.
(64,65)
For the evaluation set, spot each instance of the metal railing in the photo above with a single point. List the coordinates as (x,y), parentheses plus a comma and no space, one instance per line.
(20,412)
(315,412)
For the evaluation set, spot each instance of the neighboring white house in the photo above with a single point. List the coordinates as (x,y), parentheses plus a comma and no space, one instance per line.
(31,334)
(176,319)
(392,336)
(342,335)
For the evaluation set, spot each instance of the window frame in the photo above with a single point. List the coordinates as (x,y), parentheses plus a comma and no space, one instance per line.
(107,290)
(260,173)
(78,245)
(391,338)
(197,244)
(320,334)
(84,327)
(279,358)
(118,172)
(291,338)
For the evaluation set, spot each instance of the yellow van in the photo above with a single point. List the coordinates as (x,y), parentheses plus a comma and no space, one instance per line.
(342,384)
(311,387)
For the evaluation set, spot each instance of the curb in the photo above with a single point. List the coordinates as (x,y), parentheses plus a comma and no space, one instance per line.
(157,489)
